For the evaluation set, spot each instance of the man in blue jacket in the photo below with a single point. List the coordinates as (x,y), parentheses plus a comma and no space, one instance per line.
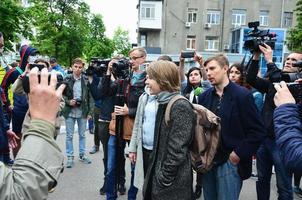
(106,107)
(241,132)
(288,127)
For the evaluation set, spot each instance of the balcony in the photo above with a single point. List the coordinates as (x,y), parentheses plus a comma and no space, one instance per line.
(150,15)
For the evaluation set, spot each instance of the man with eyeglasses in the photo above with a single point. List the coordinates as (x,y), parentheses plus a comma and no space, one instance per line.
(269,154)
(133,89)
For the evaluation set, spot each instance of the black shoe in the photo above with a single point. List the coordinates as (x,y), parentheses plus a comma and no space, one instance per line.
(122,189)
(197,193)
(103,190)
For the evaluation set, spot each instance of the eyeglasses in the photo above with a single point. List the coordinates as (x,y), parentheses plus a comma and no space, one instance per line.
(135,58)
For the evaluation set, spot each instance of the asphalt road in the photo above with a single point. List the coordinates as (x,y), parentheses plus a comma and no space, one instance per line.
(82,182)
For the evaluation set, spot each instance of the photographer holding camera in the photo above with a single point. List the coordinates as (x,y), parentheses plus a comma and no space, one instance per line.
(268,153)
(288,127)
(126,89)
(78,107)
(39,162)
(102,115)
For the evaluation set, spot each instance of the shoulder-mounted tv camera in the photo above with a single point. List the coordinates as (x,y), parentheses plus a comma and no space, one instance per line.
(257,37)
(121,68)
(97,66)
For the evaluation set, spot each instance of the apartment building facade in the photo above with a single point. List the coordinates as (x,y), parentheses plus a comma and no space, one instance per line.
(168,26)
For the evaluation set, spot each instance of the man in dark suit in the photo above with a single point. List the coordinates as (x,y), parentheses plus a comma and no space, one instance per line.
(241,131)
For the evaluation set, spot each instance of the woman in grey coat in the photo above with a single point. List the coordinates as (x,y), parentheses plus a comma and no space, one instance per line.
(169,175)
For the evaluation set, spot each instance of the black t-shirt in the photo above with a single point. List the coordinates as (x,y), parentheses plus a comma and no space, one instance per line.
(222,154)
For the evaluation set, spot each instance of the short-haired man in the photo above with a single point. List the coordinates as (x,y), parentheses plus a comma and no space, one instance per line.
(268,154)
(133,88)
(56,67)
(241,132)
(2,62)
(78,107)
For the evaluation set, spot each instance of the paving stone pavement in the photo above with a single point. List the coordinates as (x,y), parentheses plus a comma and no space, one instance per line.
(82,182)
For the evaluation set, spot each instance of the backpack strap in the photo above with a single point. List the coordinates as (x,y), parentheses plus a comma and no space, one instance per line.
(19,70)
(169,106)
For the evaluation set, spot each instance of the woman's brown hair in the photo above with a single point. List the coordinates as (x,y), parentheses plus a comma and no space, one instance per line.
(166,74)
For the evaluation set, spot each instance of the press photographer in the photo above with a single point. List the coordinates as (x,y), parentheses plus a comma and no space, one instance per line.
(268,153)
(103,107)
(22,86)
(78,108)
(126,89)
(288,127)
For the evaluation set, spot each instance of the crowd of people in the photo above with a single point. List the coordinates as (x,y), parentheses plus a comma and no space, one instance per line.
(259,117)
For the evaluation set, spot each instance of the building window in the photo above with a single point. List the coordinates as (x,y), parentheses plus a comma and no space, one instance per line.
(191,42)
(263,18)
(213,17)
(143,40)
(238,17)
(192,15)
(212,43)
(147,11)
(287,19)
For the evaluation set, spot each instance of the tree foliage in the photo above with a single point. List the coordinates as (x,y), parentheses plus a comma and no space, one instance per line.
(62,27)
(65,29)
(14,21)
(294,40)
(121,41)
(98,45)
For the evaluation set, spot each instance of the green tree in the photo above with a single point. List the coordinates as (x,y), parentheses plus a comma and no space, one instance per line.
(13,21)
(294,40)
(98,45)
(62,27)
(121,41)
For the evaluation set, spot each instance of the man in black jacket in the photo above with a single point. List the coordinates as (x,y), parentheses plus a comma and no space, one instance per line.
(241,132)
(268,153)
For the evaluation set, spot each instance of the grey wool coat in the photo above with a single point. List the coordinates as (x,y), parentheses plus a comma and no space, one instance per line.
(169,176)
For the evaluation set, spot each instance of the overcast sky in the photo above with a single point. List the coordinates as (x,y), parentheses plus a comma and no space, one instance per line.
(117,13)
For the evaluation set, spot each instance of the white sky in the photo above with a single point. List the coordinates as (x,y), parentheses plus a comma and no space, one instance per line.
(117,13)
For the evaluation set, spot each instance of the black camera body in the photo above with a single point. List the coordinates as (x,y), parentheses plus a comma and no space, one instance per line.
(26,87)
(97,66)
(187,54)
(258,37)
(121,68)
(296,90)
(39,66)
(290,78)
(78,102)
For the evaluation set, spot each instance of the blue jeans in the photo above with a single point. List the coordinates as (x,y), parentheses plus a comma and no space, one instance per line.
(222,183)
(90,124)
(132,192)
(111,177)
(268,155)
(70,123)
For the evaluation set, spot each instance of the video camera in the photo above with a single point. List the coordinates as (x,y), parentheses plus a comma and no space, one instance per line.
(290,78)
(258,37)
(97,66)
(121,68)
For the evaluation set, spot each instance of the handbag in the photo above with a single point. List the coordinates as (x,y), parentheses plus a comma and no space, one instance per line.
(127,126)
